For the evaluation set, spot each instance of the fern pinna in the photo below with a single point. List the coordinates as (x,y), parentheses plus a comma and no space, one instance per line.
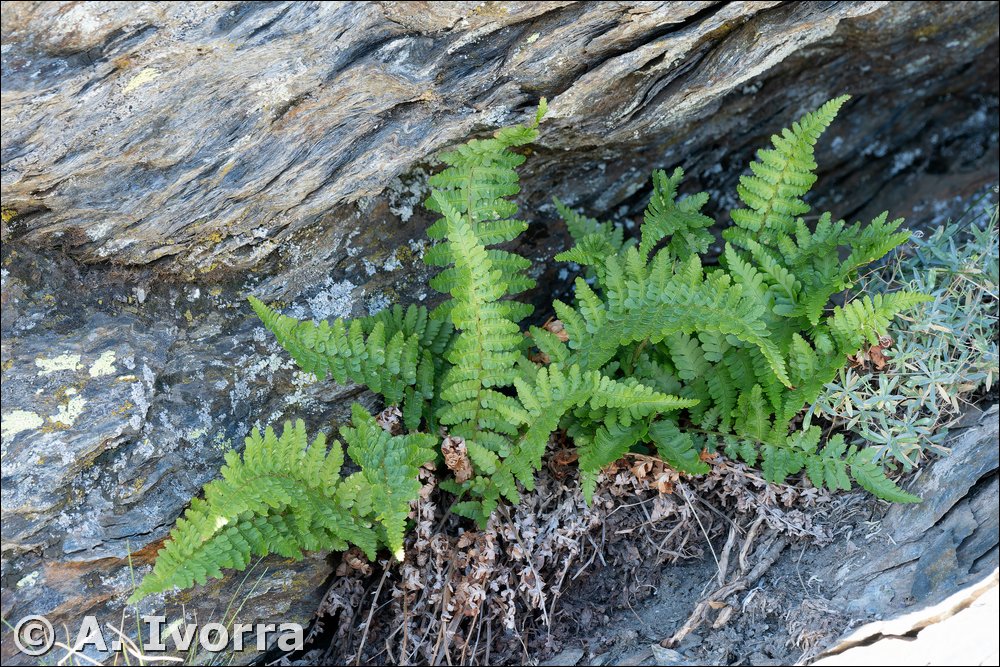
(659,351)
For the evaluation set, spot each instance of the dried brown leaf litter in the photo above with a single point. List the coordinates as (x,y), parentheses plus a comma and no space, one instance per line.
(554,564)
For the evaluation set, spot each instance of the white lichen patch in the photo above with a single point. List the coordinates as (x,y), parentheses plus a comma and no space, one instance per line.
(17,421)
(904,159)
(105,365)
(99,230)
(407,192)
(376,303)
(70,410)
(28,580)
(128,361)
(196,434)
(255,368)
(352,250)
(64,362)
(79,21)
(204,425)
(140,393)
(221,443)
(302,397)
(114,246)
(392,263)
(417,246)
(333,300)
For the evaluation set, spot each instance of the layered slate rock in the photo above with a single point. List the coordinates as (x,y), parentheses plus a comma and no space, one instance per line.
(162,160)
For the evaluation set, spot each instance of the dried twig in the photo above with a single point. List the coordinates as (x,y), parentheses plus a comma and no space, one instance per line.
(698,615)
(371,613)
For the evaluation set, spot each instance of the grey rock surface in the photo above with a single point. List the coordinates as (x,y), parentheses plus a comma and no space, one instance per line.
(949,540)
(162,160)
(201,135)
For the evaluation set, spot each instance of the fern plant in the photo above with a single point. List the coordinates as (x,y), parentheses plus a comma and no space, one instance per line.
(753,340)
(658,352)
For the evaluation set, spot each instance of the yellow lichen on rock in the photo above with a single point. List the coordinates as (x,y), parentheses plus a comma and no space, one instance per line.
(64,362)
(141,79)
(16,421)
(104,365)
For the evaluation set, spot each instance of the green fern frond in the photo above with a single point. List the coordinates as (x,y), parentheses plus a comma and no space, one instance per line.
(556,391)
(477,187)
(783,175)
(777,462)
(871,476)
(594,241)
(866,318)
(680,221)
(829,468)
(606,446)
(360,351)
(591,252)
(389,465)
(581,227)
(286,496)
(676,447)
(686,352)
(485,352)
(280,497)
(875,241)
(754,415)
(473,196)
(549,344)
(687,303)
(434,334)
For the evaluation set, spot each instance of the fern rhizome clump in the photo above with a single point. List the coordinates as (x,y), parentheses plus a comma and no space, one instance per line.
(658,352)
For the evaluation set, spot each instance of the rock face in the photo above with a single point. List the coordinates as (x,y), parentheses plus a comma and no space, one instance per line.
(162,160)
(949,540)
